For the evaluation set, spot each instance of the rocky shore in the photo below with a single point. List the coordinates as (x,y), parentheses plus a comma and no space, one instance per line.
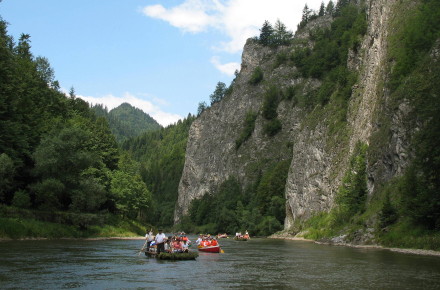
(329,242)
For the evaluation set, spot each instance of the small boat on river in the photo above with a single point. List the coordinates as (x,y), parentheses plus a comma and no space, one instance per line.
(209,249)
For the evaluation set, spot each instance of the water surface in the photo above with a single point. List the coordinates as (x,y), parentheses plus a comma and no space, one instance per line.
(255,264)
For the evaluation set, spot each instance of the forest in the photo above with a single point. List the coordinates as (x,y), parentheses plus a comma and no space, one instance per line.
(68,169)
(60,163)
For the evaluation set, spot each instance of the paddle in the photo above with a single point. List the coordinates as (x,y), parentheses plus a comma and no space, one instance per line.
(142,247)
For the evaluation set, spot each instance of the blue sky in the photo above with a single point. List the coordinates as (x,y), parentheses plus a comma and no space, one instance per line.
(163,57)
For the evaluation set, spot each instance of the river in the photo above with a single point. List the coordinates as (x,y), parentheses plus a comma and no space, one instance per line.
(255,264)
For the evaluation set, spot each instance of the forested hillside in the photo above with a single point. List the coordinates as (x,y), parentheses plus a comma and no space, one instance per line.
(59,162)
(161,154)
(126,121)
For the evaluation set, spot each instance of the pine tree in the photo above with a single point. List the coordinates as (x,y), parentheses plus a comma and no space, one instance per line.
(266,33)
(321,9)
(282,36)
(330,9)
(218,93)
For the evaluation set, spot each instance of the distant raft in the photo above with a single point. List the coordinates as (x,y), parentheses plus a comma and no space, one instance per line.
(173,256)
(243,239)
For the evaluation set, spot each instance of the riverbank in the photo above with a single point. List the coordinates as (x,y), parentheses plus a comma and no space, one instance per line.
(399,250)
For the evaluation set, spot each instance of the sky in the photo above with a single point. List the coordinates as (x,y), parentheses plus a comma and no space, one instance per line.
(163,57)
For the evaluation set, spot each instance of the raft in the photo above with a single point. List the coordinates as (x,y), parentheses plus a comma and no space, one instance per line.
(240,239)
(173,256)
(210,249)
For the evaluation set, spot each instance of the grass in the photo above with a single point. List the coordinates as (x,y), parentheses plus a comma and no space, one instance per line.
(405,235)
(13,226)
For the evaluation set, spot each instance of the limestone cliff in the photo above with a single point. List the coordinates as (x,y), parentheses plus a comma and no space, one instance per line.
(319,157)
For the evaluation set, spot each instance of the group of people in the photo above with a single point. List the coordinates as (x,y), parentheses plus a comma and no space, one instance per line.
(206,241)
(161,243)
(240,235)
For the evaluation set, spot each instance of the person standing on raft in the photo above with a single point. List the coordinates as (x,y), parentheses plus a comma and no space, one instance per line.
(149,237)
(160,242)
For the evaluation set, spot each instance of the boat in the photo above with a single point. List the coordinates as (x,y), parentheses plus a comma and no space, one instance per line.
(172,256)
(243,239)
(222,236)
(209,249)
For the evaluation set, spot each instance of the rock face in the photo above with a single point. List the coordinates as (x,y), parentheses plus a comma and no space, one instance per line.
(211,155)
(318,161)
(311,187)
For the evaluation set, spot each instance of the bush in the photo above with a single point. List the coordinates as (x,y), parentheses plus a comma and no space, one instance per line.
(272,127)
(21,199)
(249,126)
(257,76)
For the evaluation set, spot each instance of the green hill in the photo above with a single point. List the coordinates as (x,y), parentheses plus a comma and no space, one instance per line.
(127,121)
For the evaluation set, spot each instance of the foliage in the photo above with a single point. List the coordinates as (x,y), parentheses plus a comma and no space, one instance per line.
(126,121)
(7,172)
(327,60)
(161,155)
(260,209)
(21,199)
(388,214)
(272,127)
(351,197)
(248,128)
(271,100)
(128,192)
(219,93)
(178,256)
(266,33)
(270,103)
(257,76)
(56,155)
(201,108)
(416,78)
(275,36)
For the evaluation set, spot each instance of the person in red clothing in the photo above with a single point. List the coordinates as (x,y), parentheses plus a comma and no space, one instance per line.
(214,242)
(177,246)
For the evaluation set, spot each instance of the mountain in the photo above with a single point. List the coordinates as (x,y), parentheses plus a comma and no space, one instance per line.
(352,104)
(127,121)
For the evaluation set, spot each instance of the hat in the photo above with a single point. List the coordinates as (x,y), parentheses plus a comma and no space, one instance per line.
(160,230)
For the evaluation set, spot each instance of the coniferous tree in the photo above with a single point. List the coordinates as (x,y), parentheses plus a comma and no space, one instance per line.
(266,33)
(218,93)
(330,9)
(306,14)
(202,107)
(282,36)
(321,9)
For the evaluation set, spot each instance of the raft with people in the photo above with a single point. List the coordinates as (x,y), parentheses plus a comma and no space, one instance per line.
(171,248)
(208,244)
(190,255)
(240,237)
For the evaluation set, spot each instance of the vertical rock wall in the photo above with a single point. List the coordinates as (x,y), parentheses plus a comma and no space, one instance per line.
(318,163)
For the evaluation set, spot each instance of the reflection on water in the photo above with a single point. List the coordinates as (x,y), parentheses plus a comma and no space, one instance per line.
(258,263)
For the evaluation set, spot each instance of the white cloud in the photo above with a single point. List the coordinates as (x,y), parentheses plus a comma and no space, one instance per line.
(237,19)
(190,16)
(148,107)
(227,68)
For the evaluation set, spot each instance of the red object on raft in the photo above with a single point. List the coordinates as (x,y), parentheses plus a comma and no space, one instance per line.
(209,249)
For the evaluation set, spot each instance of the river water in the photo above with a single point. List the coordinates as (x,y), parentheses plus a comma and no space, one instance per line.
(255,264)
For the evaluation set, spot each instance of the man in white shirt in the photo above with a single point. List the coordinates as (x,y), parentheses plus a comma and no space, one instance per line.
(160,240)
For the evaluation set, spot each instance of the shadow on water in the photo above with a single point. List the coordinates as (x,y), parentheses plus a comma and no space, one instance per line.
(258,263)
